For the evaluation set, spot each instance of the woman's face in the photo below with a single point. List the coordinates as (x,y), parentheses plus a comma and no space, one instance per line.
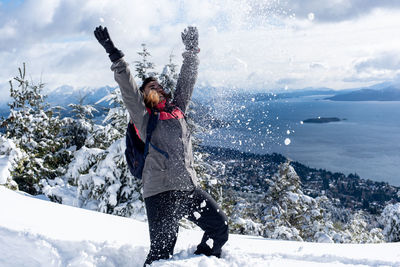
(154,85)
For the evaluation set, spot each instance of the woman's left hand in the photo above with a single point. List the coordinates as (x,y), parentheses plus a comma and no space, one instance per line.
(190,38)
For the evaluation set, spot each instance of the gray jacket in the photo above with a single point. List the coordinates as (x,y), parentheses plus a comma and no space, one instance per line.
(171,134)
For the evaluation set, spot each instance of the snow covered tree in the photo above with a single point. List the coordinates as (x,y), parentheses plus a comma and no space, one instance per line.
(99,168)
(291,215)
(358,231)
(284,211)
(10,155)
(108,185)
(143,67)
(243,210)
(211,176)
(390,219)
(169,76)
(82,125)
(36,130)
(115,122)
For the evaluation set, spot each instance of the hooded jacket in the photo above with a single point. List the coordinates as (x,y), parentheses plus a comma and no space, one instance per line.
(175,171)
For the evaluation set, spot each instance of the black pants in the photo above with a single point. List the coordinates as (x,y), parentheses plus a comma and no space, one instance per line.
(165,210)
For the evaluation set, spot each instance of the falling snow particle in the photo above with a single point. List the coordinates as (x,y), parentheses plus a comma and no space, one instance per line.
(301,122)
(287,141)
(101,20)
(210,242)
(196,215)
(311,16)
(253,99)
(203,204)
(288,131)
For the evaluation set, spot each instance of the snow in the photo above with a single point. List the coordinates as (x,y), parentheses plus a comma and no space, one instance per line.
(197,215)
(287,141)
(36,232)
(9,153)
(4,169)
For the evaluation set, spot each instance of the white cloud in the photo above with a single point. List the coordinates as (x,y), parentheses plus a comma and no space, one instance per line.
(249,44)
(338,10)
(386,61)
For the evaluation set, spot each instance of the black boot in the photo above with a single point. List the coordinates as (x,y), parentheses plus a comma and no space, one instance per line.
(206,250)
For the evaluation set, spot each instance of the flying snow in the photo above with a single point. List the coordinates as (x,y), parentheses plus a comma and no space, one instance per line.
(196,215)
(287,141)
(210,242)
(311,16)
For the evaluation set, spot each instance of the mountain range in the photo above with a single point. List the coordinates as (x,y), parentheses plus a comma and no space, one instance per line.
(64,95)
(385,94)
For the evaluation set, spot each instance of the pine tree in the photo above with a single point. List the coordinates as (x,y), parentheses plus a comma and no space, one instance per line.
(107,186)
(144,66)
(100,170)
(82,124)
(283,214)
(290,214)
(115,122)
(10,152)
(169,76)
(243,210)
(390,219)
(357,230)
(37,130)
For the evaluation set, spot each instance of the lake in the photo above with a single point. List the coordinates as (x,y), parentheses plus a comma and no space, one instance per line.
(366,143)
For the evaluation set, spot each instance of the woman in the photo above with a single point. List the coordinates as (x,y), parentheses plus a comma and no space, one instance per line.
(170,186)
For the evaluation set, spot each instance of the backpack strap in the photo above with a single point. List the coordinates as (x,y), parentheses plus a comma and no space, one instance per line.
(151,125)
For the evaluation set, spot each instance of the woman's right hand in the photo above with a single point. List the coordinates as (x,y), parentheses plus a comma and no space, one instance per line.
(104,39)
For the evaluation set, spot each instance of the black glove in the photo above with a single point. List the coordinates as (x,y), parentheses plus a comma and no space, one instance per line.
(190,38)
(104,39)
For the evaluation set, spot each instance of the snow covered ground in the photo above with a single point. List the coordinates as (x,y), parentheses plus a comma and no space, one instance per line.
(36,232)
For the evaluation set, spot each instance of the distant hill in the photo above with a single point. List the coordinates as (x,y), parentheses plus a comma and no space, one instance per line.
(64,95)
(386,94)
(307,92)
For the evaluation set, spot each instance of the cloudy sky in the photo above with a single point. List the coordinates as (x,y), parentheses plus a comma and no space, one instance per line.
(251,44)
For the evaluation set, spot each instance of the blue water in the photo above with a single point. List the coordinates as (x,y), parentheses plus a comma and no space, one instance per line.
(366,143)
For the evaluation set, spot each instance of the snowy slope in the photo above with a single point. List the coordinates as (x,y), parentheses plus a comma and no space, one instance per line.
(35,232)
